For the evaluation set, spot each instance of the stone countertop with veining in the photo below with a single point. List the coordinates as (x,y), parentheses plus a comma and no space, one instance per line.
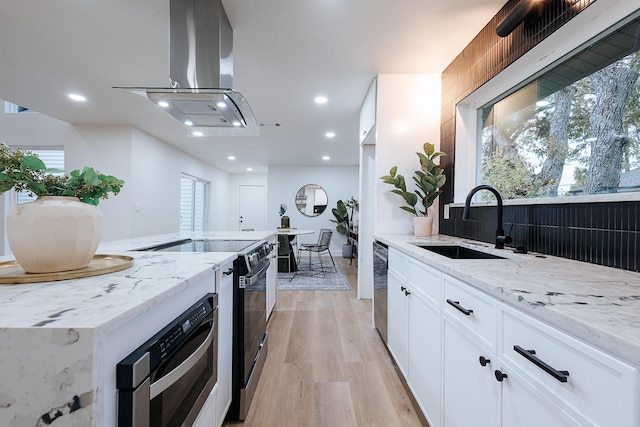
(600,305)
(109,301)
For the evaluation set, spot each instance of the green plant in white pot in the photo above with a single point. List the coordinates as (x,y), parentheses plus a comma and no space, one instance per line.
(429,180)
(60,230)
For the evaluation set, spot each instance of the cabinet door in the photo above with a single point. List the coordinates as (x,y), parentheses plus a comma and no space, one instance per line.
(425,353)
(224,287)
(471,392)
(523,406)
(397,322)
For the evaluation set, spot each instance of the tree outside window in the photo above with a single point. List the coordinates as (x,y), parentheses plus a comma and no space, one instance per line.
(575,129)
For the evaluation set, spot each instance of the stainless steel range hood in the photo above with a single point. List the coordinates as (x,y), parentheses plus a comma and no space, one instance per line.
(200,95)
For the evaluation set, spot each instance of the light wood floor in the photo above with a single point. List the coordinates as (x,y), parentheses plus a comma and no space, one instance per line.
(327,367)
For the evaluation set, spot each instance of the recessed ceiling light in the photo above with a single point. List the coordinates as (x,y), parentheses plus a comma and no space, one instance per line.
(77,97)
(326,158)
(330,134)
(221,104)
(231,157)
(197,133)
(321,99)
(163,104)
(188,122)
(249,169)
(236,123)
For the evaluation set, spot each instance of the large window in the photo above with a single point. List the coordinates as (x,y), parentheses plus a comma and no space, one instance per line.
(52,158)
(572,129)
(193,203)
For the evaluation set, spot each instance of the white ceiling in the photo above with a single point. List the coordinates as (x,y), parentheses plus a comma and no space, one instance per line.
(285,53)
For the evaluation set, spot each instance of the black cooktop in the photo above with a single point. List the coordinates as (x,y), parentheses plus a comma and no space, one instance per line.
(189,245)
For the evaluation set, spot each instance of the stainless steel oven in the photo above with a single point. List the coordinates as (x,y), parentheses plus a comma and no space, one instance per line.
(165,382)
(249,311)
(249,325)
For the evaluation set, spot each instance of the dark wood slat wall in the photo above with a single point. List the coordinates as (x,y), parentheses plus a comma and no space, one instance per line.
(600,233)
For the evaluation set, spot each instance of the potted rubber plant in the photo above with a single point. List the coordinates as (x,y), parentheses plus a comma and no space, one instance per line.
(429,180)
(60,230)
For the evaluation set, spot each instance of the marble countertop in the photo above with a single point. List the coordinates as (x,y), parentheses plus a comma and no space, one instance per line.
(111,300)
(600,305)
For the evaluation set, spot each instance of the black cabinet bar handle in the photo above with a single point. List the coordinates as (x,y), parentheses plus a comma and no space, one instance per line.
(407,293)
(529,355)
(457,305)
(228,272)
(402,289)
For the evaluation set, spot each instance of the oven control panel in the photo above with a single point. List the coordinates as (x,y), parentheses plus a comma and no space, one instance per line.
(179,332)
(164,343)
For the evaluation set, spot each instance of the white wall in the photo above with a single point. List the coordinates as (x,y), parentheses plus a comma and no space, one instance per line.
(408,115)
(339,182)
(235,181)
(151,168)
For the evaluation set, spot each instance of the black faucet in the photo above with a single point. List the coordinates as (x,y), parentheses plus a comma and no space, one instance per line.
(501,239)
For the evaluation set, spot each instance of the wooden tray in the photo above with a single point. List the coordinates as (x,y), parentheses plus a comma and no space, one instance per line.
(11,272)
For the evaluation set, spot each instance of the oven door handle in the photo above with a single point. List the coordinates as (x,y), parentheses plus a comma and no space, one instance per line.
(168,380)
(250,280)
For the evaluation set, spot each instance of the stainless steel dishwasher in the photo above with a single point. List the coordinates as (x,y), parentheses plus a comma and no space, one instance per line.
(380,266)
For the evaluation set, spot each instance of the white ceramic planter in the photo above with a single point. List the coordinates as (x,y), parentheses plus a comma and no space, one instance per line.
(53,234)
(422,226)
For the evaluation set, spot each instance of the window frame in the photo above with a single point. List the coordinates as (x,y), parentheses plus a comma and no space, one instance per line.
(206,187)
(575,35)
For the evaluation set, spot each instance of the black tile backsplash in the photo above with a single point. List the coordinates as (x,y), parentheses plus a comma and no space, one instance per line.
(599,233)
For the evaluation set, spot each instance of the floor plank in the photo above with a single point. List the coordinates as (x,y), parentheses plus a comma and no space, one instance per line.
(327,367)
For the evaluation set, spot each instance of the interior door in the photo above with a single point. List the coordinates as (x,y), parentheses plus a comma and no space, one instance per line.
(252,207)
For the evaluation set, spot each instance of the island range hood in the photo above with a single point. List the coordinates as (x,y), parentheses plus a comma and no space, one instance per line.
(200,95)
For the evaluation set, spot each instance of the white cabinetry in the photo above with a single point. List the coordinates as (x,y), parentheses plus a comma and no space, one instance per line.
(470,359)
(398,320)
(582,381)
(471,392)
(224,287)
(368,112)
(414,330)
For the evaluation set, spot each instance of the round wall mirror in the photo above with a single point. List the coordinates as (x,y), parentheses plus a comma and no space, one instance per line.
(311,200)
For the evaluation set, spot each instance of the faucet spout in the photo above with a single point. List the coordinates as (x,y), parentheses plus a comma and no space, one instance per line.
(501,239)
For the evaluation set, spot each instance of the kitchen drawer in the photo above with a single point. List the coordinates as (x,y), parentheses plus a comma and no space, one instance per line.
(599,387)
(472,309)
(427,280)
(399,263)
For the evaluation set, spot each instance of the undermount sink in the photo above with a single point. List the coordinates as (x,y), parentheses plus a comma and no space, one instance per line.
(459,252)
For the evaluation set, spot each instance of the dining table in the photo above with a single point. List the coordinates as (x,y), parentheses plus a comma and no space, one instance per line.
(287,262)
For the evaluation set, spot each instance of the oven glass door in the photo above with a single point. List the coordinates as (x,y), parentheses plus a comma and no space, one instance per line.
(193,368)
(255,315)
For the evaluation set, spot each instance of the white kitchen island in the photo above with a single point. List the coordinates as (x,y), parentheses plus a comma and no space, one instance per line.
(60,341)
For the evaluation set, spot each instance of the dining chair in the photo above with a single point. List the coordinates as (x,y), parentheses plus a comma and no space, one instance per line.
(324,240)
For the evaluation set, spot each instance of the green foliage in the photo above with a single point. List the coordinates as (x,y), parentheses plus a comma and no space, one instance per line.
(343,213)
(511,176)
(283,209)
(429,181)
(24,171)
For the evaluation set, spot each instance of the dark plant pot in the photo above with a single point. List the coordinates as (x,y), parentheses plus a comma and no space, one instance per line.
(346,251)
(284,222)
